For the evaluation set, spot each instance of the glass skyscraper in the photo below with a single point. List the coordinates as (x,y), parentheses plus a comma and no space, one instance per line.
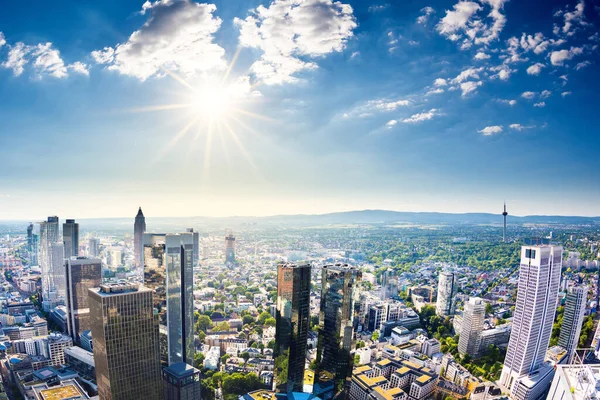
(48,235)
(82,274)
(71,238)
(446,292)
(292,324)
(139,227)
(336,325)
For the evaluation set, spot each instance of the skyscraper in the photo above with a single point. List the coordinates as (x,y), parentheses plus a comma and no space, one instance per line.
(196,240)
(82,274)
(572,320)
(181,382)
(30,237)
(71,238)
(336,325)
(229,249)
(389,284)
(179,255)
(139,227)
(155,272)
(48,235)
(539,276)
(125,337)
(93,247)
(292,324)
(446,292)
(471,327)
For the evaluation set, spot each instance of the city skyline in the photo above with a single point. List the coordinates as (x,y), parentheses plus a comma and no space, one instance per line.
(443,114)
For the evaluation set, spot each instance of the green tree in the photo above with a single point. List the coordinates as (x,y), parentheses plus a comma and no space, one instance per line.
(270,322)
(198,360)
(262,318)
(375,336)
(203,323)
(222,327)
(248,319)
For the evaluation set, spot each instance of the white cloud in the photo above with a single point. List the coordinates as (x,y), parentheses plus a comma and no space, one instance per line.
(413,43)
(582,64)
(178,35)
(372,107)
(440,82)
(467,74)
(503,72)
(564,78)
(391,124)
(545,94)
(573,18)
(490,34)
(559,57)
(509,102)
(424,116)
(434,91)
(536,43)
(289,31)
(2,39)
(540,104)
(519,127)
(491,130)
(377,8)
(481,56)
(427,11)
(469,87)
(48,61)
(528,95)
(457,19)
(17,58)
(79,68)
(565,94)
(535,69)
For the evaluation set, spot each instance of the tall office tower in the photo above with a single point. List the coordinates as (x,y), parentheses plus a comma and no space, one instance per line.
(155,272)
(48,235)
(572,320)
(57,289)
(125,342)
(93,247)
(504,214)
(33,257)
(181,382)
(82,274)
(389,284)
(336,324)
(471,327)
(524,373)
(179,256)
(292,324)
(30,238)
(230,249)
(196,236)
(446,293)
(139,228)
(71,238)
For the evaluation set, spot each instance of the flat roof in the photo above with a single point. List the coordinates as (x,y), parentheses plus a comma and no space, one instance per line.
(61,393)
(423,378)
(181,370)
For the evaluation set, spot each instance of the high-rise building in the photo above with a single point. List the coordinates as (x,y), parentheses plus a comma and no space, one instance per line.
(292,325)
(155,272)
(446,292)
(336,325)
(30,237)
(389,284)
(71,238)
(230,249)
(93,247)
(179,255)
(181,382)
(125,337)
(524,373)
(504,214)
(196,236)
(139,228)
(56,276)
(82,274)
(48,234)
(572,320)
(471,327)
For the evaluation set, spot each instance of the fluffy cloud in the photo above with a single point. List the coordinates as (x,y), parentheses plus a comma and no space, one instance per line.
(502,72)
(491,130)
(2,39)
(425,116)
(509,102)
(288,31)
(535,69)
(434,91)
(559,57)
(457,19)
(545,94)
(178,36)
(44,58)
(519,127)
(427,11)
(80,68)
(440,82)
(582,64)
(372,107)
(391,124)
(377,8)
(565,94)
(481,56)
(541,104)
(574,17)
(17,58)
(528,95)
(469,87)
(48,61)
(469,73)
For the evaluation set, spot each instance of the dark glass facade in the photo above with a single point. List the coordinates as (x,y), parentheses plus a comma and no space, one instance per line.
(181,382)
(71,238)
(82,274)
(155,272)
(336,326)
(125,336)
(292,318)
(139,227)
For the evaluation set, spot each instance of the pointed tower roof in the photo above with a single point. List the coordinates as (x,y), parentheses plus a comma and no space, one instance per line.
(140,213)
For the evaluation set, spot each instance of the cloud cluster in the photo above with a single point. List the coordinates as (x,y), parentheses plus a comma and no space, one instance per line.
(491,130)
(424,17)
(177,36)
(559,57)
(376,106)
(420,117)
(288,31)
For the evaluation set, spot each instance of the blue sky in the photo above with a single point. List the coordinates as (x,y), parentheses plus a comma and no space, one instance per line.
(290,106)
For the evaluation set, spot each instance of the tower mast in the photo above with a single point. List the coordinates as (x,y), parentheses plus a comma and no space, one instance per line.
(504,214)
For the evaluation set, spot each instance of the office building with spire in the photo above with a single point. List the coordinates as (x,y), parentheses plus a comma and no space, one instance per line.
(471,327)
(139,228)
(82,274)
(71,238)
(504,214)
(447,287)
(336,325)
(572,320)
(292,325)
(525,374)
(125,343)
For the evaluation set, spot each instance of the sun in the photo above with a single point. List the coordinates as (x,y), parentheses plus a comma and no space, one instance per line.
(212,102)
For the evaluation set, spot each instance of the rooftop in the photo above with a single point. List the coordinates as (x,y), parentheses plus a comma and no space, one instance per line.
(67,392)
